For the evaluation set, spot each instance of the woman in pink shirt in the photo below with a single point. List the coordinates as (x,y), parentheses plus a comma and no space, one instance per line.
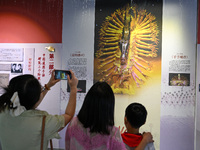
(93,128)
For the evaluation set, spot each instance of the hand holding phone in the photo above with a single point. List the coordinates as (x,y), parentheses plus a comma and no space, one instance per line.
(62,74)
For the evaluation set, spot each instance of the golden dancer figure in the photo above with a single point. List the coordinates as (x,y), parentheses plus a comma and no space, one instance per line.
(128,39)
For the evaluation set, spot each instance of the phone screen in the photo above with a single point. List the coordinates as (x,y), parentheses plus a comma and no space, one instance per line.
(62,74)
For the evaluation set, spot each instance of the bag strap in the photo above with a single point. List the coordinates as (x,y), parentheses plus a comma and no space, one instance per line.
(51,144)
(42,137)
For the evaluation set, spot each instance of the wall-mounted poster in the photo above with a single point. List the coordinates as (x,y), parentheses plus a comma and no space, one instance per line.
(4,81)
(178,87)
(127,43)
(11,54)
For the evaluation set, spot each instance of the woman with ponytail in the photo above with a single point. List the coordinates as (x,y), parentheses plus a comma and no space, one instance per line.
(21,121)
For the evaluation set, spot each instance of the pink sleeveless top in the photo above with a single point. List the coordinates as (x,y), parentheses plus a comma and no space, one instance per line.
(79,138)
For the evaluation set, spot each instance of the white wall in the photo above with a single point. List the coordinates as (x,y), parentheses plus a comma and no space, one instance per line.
(179,36)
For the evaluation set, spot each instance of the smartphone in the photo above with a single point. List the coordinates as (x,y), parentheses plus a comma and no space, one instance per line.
(62,74)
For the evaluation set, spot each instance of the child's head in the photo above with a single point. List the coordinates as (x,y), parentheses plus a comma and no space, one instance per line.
(136,115)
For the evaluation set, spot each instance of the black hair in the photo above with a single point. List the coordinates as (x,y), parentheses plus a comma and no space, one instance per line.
(136,114)
(97,111)
(28,88)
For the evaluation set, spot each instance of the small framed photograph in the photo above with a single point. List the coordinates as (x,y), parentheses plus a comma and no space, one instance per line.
(16,68)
